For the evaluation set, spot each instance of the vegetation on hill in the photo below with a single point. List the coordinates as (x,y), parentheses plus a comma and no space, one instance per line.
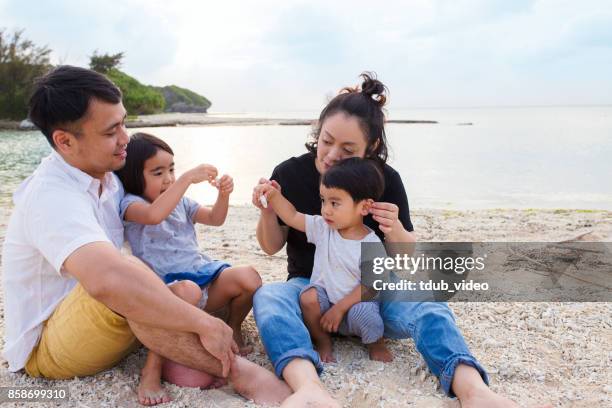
(21,62)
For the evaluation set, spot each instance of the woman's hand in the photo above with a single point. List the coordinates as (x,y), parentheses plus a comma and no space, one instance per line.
(386,215)
(263,188)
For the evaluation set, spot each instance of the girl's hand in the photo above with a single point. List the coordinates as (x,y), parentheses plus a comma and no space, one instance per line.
(386,215)
(203,172)
(264,187)
(225,184)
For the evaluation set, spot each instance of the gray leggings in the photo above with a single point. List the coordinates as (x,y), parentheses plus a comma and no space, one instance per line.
(363,319)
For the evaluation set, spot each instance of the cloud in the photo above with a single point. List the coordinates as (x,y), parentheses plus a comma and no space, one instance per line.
(272,55)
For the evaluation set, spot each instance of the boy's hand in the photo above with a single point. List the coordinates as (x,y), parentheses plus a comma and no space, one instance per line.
(203,172)
(330,321)
(225,184)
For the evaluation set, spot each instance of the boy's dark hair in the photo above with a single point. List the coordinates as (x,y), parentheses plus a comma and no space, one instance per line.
(142,146)
(61,97)
(365,103)
(361,178)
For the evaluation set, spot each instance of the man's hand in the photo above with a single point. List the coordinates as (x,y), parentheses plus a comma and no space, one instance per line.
(330,321)
(217,339)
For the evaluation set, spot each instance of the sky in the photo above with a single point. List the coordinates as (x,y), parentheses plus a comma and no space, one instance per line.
(294,55)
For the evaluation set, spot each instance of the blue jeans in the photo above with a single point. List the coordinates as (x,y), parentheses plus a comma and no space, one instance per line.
(432,325)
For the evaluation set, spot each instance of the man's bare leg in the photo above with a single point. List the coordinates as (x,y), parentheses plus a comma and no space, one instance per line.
(474,393)
(235,287)
(303,379)
(311,311)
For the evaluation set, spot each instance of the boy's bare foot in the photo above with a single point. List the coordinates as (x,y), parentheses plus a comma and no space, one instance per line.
(310,396)
(150,390)
(184,376)
(484,397)
(325,348)
(256,383)
(379,351)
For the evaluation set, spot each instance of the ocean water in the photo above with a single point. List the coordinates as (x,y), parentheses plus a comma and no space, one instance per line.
(531,157)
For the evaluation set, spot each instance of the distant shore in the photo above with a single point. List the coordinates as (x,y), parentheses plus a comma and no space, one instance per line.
(199,119)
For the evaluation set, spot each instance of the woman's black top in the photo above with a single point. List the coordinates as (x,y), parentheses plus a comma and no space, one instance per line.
(299,181)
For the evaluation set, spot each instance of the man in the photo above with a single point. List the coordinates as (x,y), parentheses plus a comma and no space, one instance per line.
(74,305)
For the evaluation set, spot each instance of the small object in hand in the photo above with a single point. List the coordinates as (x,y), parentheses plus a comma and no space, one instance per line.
(263,201)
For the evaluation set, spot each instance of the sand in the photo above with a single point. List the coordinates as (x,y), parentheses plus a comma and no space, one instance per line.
(535,352)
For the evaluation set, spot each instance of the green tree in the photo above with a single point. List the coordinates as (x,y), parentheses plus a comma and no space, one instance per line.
(105,62)
(21,62)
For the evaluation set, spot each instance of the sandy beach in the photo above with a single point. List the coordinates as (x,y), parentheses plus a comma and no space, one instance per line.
(534,352)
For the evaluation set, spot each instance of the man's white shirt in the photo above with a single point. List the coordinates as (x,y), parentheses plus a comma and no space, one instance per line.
(58,209)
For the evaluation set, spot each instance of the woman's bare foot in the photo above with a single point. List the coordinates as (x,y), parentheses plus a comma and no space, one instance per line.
(150,390)
(184,376)
(325,349)
(256,383)
(484,397)
(313,395)
(379,351)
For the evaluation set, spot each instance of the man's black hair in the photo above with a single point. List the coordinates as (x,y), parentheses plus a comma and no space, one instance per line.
(62,96)
(361,178)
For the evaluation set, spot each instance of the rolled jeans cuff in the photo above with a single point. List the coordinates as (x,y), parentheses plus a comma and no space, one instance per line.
(446,377)
(307,354)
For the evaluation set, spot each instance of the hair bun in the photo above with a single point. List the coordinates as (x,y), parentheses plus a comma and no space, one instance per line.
(373,88)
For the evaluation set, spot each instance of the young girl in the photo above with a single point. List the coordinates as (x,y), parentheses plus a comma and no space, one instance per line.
(332,300)
(159,225)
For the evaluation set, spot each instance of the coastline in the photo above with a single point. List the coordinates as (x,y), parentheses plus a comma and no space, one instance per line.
(200,119)
(534,352)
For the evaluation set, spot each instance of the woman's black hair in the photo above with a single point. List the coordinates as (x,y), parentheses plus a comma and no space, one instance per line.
(61,98)
(366,104)
(361,178)
(142,146)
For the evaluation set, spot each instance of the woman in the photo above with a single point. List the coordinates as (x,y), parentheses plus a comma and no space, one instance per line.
(352,124)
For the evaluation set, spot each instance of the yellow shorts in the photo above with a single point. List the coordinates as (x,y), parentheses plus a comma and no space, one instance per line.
(82,337)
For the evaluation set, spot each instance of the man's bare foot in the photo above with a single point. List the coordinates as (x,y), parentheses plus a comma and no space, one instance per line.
(150,390)
(484,397)
(310,396)
(256,383)
(379,351)
(184,376)
(326,350)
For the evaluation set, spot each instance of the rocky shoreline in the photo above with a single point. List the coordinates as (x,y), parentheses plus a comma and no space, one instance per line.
(199,119)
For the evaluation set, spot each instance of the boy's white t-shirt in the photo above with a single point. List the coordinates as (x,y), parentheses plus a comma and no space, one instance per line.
(336,260)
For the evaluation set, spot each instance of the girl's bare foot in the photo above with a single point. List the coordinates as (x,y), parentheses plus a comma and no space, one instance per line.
(325,348)
(243,349)
(150,390)
(256,383)
(379,351)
